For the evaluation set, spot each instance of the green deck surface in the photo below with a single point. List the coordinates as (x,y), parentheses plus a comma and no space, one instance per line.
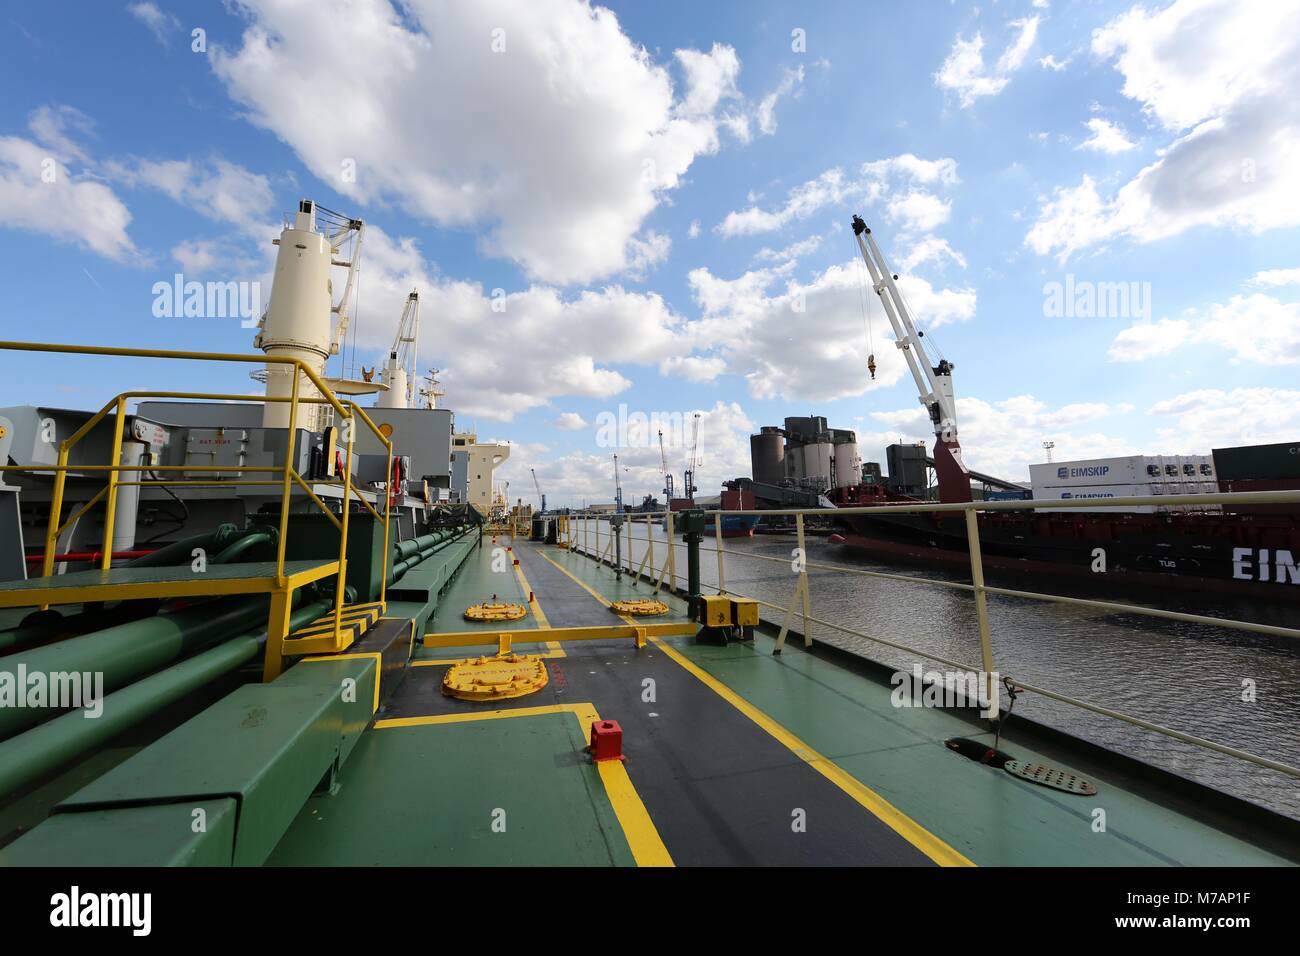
(250,571)
(429,796)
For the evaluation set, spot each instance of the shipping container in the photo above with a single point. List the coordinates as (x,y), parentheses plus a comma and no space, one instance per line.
(1281,460)
(1100,493)
(1127,470)
(1261,484)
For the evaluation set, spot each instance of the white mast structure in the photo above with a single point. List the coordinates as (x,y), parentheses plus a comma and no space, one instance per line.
(399,371)
(933,382)
(298,322)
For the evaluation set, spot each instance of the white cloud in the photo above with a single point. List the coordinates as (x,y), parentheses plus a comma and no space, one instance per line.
(766,113)
(1248,328)
(791,253)
(39,192)
(693,368)
(1004,437)
(1148,340)
(693,231)
(1107,137)
(580,476)
(218,189)
(1231,104)
(160,24)
(758,330)
(1275,277)
(964,70)
(570,422)
(1215,418)
(558,147)
(1050,62)
(930,249)
(906,179)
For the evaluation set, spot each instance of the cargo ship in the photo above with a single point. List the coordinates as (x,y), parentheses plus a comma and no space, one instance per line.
(305,647)
(1246,550)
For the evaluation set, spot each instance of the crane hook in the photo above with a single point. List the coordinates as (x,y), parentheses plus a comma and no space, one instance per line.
(871,365)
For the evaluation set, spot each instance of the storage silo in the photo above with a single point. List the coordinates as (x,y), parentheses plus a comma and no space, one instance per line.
(767,455)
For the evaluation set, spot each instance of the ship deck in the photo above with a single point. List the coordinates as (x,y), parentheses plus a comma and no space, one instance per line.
(733,756)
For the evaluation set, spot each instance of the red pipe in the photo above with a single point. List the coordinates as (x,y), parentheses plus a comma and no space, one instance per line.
(87,556)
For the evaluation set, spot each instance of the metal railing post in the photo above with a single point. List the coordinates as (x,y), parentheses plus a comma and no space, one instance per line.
(56,510)
(803,579)
(351,422)
(981,601)
(285,492)
(717,540)
(110,505)
(650,544)
(672,553)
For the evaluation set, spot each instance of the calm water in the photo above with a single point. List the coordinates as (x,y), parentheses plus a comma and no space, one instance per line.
(1187,677)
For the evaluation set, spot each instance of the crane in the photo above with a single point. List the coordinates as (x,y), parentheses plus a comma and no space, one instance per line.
(399,371)
(693,463)
(540,497)
(933,382)
(663,469)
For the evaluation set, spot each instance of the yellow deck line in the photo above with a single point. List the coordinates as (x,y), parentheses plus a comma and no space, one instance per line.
(911,831)
(590,590)
(553,646)
(638,829)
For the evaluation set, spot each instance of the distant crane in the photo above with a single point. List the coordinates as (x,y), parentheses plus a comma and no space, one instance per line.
(693,463)
(616,523)
(540,497)
(663,469)
(399,372)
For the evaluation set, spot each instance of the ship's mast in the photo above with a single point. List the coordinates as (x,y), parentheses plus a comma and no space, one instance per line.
(399,371)
(933,382)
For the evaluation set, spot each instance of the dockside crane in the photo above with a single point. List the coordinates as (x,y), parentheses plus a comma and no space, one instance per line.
(541,498)
(693,463)
(663,470)
(933,382)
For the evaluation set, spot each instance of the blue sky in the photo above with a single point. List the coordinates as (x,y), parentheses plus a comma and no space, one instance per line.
(653,186)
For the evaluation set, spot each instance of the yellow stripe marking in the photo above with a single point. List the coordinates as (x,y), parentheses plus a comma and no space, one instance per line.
(638,829)
(911,831)
(590,590)
(553,646)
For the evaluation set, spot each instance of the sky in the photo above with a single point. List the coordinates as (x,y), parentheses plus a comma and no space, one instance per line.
(641,211)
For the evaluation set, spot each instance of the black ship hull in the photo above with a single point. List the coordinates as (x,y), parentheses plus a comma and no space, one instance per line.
(1256,557)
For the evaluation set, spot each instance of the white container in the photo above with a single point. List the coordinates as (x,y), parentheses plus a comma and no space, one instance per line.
(1099,494)
(1129,469)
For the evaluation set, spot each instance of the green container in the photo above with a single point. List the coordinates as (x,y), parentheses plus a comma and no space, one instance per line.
(1281,460)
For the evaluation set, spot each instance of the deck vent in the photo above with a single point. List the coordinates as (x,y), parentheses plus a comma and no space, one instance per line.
(1051,777)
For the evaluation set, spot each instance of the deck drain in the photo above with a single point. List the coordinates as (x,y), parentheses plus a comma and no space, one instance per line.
(1050,777)
(979,752)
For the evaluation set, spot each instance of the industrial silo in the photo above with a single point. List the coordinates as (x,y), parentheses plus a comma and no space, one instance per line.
(848,464)
(767,455)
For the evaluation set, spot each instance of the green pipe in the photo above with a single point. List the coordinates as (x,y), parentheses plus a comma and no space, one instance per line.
(128,651)
(248,542)
(42,750)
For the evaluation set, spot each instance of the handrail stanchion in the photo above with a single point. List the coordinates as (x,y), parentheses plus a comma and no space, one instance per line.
(110,505)
(717,538)
(56,509)
(672,552)
(287,489)
(981,602)
(351,424)
(650,544)
(803,579)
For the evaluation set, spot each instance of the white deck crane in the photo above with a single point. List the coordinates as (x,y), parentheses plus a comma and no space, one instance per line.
(297,321)
(541,498)
(399,372)
(933,382)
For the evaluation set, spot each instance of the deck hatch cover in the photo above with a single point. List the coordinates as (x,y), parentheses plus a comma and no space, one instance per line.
(1050,777)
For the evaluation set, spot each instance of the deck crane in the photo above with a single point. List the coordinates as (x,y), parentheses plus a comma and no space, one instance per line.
(663,469)
(399,372)
(933,382)
(541,498)
(297,321)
